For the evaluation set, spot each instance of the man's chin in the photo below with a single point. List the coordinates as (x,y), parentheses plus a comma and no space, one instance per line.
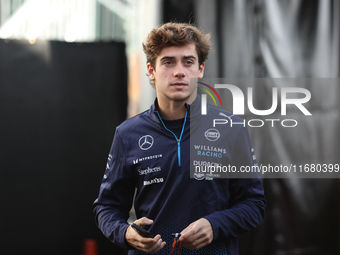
(178,95)
(182,97)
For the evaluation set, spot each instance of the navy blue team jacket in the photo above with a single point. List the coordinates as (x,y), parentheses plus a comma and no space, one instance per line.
(148,156)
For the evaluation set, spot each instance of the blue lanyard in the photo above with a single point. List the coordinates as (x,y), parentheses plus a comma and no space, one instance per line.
(177,139)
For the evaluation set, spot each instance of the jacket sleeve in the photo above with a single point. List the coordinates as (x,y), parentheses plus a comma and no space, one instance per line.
(247,201)
(114,202)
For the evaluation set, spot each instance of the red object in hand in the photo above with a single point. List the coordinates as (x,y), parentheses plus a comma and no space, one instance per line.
(90,247)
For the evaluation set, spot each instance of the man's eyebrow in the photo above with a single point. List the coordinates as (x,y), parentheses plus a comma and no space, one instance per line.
(190,56)
(167,58)
(171,58)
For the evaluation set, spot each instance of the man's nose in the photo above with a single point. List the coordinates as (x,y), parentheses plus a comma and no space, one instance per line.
(179,71)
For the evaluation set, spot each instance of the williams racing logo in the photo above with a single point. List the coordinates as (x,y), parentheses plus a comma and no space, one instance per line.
(209,151)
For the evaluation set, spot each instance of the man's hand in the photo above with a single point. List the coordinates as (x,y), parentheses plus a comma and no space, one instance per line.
(197,235)
(151,245)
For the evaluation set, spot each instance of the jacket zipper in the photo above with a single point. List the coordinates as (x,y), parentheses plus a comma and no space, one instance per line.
(177,139)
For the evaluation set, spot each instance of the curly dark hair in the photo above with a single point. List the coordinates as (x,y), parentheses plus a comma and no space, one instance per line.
(176,34)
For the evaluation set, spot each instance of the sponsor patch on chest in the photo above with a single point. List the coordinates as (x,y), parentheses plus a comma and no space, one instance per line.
(153,181)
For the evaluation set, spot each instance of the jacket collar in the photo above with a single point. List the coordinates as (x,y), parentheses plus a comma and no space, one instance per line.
(194,109)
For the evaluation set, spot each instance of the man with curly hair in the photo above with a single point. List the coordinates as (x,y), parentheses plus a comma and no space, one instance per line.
(150,153)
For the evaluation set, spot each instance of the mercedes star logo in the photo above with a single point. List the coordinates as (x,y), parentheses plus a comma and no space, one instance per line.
(145,142)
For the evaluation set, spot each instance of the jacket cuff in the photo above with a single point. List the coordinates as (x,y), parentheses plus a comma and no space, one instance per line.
(120,238)
(126,244)
(214,227)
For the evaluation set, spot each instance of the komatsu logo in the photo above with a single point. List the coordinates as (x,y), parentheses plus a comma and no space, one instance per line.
(153,181)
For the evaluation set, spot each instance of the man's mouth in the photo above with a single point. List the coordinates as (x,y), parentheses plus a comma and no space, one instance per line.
(179,84)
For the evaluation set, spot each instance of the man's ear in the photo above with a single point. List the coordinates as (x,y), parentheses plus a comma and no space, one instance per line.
(201,70)
(151,71)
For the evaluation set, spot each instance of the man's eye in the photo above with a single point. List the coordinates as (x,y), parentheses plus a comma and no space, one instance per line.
(189,62)
(167,63)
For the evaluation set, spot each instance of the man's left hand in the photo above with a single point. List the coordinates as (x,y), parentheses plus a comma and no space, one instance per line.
(197,235)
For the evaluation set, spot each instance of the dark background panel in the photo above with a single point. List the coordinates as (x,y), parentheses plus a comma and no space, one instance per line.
(178,11)
(59,105)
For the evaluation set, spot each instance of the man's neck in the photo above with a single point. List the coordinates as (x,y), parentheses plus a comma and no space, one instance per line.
(172,110)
